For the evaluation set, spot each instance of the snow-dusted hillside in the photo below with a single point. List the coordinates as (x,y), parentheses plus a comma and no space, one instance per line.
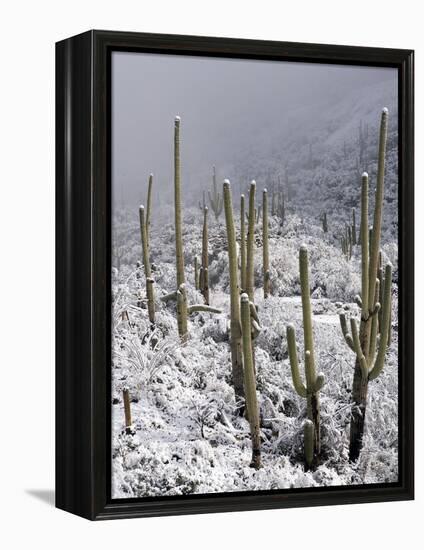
(188,437)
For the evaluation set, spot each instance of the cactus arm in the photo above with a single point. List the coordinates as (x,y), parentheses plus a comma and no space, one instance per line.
(378,209)
(202,307)
(308,434)
(379,362)
(169,297)
(358,350)
(358,301)
(177,205)
(364,246)
(256,329)
(253,312)
(345,331)
(149,207)
(250,242)
(374,326)
(294,364)
(319,382)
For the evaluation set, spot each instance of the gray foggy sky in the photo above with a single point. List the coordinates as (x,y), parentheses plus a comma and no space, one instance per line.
(226,106)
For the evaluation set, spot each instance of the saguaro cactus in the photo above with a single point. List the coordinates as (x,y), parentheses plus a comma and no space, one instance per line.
(273,200)
(363,341)
(215,199)
(180,295)
(281,205)
(265,244)
(314,382)
(147,269)
(204,270)
(324,222)
(242,245)
(235,321)
(250,382)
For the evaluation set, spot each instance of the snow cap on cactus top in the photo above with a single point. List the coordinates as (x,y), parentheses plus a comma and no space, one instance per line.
(227,182)
(177,119)
(385,110)
(364,174)
(253,182)
(244,297)
(303,247)
(265,190)
(141,207)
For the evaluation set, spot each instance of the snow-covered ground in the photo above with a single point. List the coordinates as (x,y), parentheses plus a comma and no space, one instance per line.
(188,437)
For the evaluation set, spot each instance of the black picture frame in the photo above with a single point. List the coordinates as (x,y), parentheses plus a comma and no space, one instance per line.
(83,224)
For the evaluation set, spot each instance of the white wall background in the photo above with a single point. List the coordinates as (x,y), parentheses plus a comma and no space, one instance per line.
(28,32)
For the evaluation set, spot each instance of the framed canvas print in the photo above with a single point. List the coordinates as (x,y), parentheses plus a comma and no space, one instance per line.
(234,274)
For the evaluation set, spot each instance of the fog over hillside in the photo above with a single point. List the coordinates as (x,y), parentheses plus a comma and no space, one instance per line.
(251,119)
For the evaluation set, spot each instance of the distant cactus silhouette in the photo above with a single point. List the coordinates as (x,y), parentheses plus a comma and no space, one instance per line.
(215,199)
(324,222)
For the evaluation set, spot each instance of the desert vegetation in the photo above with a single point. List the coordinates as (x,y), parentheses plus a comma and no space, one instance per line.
(213,387)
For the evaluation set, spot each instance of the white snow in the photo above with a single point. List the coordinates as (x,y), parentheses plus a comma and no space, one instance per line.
(188,436)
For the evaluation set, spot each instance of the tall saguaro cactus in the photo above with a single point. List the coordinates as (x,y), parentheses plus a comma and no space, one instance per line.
(204,270)
(147,269)
(363,340)
(265,244)
(235,321)
(314,382)
(180,295)
(215,199)
(242,245)
(250,382)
